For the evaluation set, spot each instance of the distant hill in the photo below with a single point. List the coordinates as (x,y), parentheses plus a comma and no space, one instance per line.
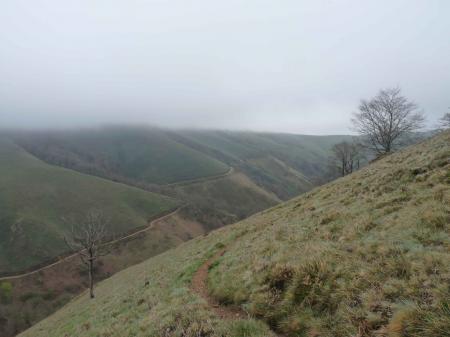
(224,176)
(139,154)
(283,164)
(365,255)
(35,196)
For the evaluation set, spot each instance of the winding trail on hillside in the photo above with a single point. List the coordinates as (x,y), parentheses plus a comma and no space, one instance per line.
(201,180)
(123,238)
(199,285)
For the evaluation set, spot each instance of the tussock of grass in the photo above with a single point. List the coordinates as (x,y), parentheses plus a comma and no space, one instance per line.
(315,266)
(420,320)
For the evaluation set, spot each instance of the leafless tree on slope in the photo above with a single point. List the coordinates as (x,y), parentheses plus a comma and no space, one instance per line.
(88,237)
(386,119)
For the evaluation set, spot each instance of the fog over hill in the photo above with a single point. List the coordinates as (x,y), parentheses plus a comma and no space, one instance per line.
(290,66)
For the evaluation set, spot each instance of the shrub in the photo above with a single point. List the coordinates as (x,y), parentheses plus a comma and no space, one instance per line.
(6,292)
(280,276)
(28,296)
(49,295)
(330,217)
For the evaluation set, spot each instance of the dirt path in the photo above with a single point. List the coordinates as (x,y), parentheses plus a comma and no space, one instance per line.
(200,286)
(202,180)
(150,226)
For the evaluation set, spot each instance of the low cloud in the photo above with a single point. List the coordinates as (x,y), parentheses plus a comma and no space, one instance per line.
(293,66)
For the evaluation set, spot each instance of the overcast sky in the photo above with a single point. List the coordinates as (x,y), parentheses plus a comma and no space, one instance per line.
(280,65)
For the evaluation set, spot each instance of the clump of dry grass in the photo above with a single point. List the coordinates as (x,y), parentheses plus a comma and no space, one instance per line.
(414,320)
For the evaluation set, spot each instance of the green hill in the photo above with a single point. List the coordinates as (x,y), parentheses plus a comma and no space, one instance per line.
(366,255)
(35,196)
(285,164)
(227,200)
(266,167)
(145,155)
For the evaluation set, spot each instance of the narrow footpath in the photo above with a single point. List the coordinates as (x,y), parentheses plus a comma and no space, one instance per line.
(126,237)
(202,180)
(199,285)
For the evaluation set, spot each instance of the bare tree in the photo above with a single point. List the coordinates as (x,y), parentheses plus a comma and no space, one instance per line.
(385,119)
(444,122)
(347,156)
(87,238)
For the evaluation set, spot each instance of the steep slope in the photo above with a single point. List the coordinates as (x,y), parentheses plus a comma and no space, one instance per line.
(219,202)
(366,255)
(35,196)
(284,164)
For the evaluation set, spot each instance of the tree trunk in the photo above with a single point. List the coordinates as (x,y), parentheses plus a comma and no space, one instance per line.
(91,277)
(388,147)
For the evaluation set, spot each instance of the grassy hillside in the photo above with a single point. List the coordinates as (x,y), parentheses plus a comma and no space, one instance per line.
(35,196)
(138,154)
(284,164)
(223,201)
(26,300)
(366,255)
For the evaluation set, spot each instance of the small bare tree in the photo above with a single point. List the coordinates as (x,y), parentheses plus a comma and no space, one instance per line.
(87,238)
(385,119)
(347,156)
(444,122)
